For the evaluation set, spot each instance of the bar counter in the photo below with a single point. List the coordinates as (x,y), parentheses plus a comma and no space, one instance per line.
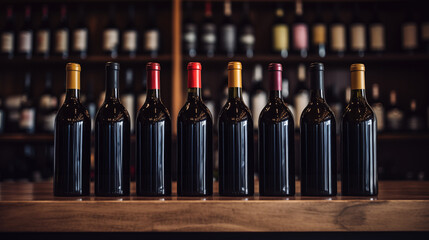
(31,207)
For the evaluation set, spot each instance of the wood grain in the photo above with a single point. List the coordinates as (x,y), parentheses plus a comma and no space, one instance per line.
(400,206)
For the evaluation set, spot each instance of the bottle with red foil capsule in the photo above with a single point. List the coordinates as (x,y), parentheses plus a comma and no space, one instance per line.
(194,141)
(276,141)
(300,32)
(153,134)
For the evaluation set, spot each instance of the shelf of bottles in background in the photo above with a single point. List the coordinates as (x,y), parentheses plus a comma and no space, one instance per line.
(394,115)
(151,35)
(357,33)
(27,120)
(228,32)
(62,35)
(47,107)
(208,32)
(280,33)
(190,32)
(25,36)
(318,141)
(130,35)
(153,140)
(409,33)
(319,34)
(301,96)
(414,120)
(8,35)
(43,35)
(377,33)
(236,166)
(337,34)
(194,141)
(246,36)
(377,107)
(128,97)
(276,141)
(112,140)
(300,31)
(111,34)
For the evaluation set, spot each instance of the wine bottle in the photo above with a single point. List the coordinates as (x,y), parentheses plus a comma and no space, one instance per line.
(409,33)
(141,98)
(357,34)
(300,31)
(44,35)
(189,32)
(62,35)
(208,32)
(318,141)
(80,36)
(127,98)
(72,141)
(25,46)
(319,34)
(359,138)
(280,33)
(112,140)
(377,42)
(130,35)
(151,34)
(13,114)
(153,126)
(111,35)
(235,140)
(276,141)
(301,96)
(48,105)
(228,31)
(286,96)
(194,141)
(414,121)
(424,31)
(259,96)
(394,115)
(247,33)
(377,106)
(27,122)
(8,35)
(337,34)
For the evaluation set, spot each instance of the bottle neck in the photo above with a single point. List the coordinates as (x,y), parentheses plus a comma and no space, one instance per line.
(112,84)
(72,84)
(194,93)
(72,94)
(357,94)
(357,85)
(317,86)
(275,94)
(235,92)
(275,84)
(153,93)
(234,84)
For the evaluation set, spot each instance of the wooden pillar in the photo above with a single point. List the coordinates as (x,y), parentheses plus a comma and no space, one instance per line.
(177,88)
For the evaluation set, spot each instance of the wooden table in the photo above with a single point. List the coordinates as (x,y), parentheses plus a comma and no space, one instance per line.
(400,206)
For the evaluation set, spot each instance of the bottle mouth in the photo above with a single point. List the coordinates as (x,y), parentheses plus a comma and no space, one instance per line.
(234,66)
(316,66)
(153,66)
(275,67)
(357,67)
(112,66)
(194,66)
(73,67)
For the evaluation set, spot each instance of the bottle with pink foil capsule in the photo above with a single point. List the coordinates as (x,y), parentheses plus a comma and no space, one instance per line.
(276,141)
(300,32)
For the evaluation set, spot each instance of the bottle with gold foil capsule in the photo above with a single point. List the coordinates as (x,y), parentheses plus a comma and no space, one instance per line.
(112,140)
(72,140)
(359,140)
(194,141)
(153,140)
(280,33)
(276,141)
(235,140)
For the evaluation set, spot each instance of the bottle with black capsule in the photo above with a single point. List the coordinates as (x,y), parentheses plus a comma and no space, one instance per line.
(153,134)
(318,141)
(72,141)
(112,140)
(194,141)
(276,141)
(235,140)
(359,140)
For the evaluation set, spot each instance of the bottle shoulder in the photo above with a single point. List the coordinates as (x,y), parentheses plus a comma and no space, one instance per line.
(153,110)
(72,111)
(195,111)
(235,110)
(317,111)
(358,111)
(112,111)
(275,111)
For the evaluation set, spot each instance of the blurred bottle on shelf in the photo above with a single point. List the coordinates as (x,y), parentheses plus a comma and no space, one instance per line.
(111,34)
(190,32)
(47,109)
(208,32)
(43,39)
(247,33)
(8,35)
(377,106)
(27,121)
(280,33)
(424,31)
(25,35)
(357,33)
(80,35)
(258,95)
(319,34)
(337,34)
(130,34)
(347,95)
(128,98)
(409,33)
(301,97)
(151,34)
(377,32)
(414,121)
(287,96)
(2,116)
(228,31)
(141,98)
(62,35)
(90,104)
(395,115)
(300,31)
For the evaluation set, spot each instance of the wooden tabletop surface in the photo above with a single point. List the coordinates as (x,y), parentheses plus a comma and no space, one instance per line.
(400,206)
